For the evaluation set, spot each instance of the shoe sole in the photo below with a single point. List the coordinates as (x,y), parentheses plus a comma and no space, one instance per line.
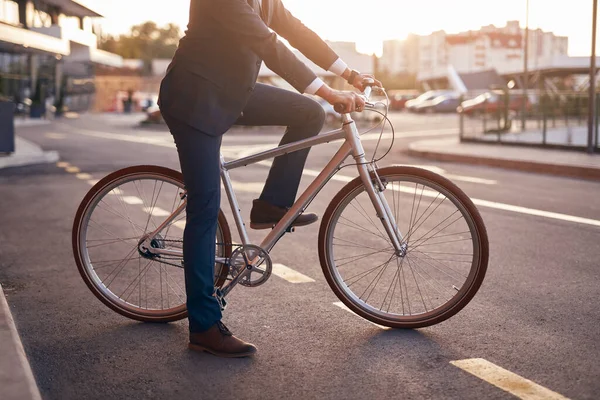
(196,347)
(271,225)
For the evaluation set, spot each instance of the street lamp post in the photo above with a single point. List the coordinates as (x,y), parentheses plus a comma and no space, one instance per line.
(525,67)
(592,100)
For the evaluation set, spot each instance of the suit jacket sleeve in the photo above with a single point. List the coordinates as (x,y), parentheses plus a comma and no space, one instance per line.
(237,17)
(302,38)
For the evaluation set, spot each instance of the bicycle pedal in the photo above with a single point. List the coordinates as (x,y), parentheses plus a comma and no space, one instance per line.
(220,299)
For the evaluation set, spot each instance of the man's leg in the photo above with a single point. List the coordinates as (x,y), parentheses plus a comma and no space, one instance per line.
(303,118)
(200,165)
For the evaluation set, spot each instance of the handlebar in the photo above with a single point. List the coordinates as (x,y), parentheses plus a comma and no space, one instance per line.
(369,83)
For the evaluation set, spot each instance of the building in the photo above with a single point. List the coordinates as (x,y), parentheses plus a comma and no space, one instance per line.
(48,51)
(490,47)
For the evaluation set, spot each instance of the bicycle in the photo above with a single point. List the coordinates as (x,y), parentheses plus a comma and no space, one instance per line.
(390,278)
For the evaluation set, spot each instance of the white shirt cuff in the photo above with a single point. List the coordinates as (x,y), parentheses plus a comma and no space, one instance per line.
(338,67)
(314,86)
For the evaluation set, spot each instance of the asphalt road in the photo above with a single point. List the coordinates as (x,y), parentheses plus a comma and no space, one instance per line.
(535,315)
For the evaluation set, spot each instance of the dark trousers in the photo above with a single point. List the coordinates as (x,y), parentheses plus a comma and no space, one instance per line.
(200,165)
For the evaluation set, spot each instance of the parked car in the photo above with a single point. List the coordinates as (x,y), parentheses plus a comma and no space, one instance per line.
(446,103)
(493,102)
(398,98)
(427,96)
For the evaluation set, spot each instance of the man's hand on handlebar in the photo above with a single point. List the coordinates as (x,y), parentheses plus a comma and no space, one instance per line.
(350,101)
(361,79)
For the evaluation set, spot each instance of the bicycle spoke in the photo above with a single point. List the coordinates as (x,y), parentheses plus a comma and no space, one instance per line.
(363,274)
(441,270)
(354,243)
(417,283)
(444,242)
(378,277)
(360,228)
(364,214)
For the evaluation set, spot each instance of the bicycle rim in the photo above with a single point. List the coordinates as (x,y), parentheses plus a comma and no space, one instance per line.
(446,254)
(115,219)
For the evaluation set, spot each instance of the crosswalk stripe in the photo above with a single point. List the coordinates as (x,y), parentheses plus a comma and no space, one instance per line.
(290,275)
(157,211)
(344,307)
(132,200)
(506,380)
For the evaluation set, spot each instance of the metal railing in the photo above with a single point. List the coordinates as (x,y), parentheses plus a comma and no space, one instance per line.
(558,119)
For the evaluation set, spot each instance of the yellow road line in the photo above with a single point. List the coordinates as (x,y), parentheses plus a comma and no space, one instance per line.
(73,170)
(63,164)
(506,380)
(83,176)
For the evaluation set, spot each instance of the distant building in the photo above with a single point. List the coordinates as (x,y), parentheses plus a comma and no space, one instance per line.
(490,47)
(50,46)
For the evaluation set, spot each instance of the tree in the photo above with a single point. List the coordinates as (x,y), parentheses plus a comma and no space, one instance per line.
(146,41)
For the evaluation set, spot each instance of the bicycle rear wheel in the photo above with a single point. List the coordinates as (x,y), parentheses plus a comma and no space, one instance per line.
(446,250)
(113,218)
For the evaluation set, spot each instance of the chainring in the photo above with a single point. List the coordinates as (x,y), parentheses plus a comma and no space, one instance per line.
(255,258)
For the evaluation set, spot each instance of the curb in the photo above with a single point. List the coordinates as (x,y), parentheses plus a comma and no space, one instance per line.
(27,153)
(16,378)
(566,170)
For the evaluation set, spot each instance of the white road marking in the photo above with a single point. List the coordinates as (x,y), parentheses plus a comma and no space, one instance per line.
(58,136)
(157,211)
(125,138)
(63,164)
(132,200)
(533,211)
(252,187)
(92,182)
(256,187)
(83,176)
(506,380)
(344,307)
(72,170)
(470,179)
(116,192)
(180,224)
(290,275)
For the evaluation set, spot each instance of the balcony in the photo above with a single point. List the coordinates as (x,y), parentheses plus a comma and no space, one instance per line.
(28,39)
(69,34)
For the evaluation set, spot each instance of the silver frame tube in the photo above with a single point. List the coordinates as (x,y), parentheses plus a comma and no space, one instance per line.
(287,148)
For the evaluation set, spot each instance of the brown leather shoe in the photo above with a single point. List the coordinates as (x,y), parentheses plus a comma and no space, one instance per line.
(219,341)
(266,216)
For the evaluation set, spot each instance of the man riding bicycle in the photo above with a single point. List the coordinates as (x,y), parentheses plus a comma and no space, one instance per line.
(210,86)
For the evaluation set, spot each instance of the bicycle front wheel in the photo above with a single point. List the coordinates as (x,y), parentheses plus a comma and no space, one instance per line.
(446,249)
(118,214)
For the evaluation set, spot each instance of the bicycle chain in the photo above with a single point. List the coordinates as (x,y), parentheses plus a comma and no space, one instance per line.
(160,260)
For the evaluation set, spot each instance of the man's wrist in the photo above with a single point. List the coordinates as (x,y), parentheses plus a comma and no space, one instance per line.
(324,91)
(346,73)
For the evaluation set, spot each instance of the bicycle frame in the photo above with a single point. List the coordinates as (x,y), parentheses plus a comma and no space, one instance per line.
(352,146)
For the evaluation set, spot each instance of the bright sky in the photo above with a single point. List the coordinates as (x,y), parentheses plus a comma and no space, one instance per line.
(370,22)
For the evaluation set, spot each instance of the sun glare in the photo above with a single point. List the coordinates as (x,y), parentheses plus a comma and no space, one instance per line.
(368,24)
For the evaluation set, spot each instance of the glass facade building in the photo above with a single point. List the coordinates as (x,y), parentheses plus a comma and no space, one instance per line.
(48,51)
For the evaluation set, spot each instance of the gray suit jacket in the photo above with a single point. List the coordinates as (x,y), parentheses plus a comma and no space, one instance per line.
(217,62)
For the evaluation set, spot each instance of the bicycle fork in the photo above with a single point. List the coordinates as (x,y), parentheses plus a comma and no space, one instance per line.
(374,187)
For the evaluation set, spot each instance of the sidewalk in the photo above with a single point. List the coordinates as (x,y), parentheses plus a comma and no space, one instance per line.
(27,153)
(16,379)
(548,161)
